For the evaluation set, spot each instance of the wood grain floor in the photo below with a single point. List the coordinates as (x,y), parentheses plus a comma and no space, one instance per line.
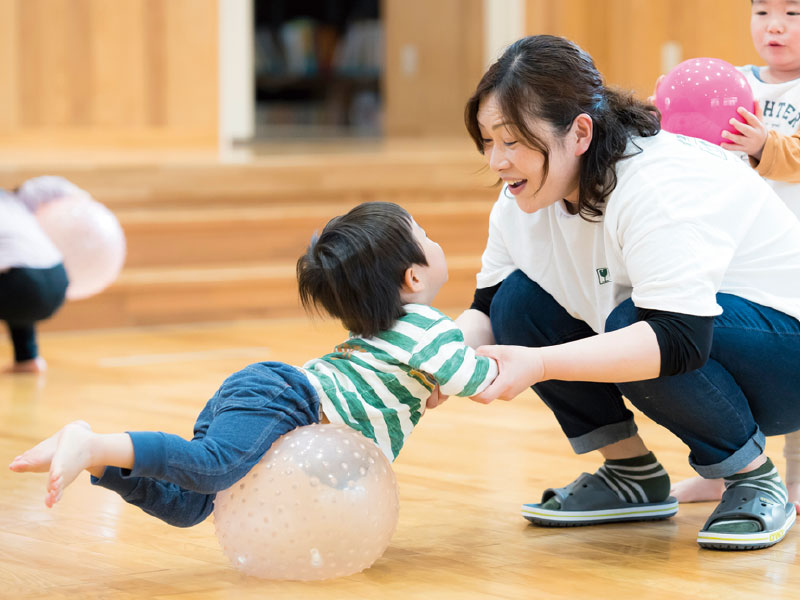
(462,477)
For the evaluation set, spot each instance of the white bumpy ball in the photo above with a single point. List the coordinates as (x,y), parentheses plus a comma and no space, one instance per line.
(321,503)
(90,239)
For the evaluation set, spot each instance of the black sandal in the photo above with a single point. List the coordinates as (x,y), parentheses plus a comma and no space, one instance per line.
(743,502)
(589,501)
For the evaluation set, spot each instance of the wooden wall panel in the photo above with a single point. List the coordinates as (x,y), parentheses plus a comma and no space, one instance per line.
(9,63)
(626,37)
(108,72)
(448,38)
(718,28)
(121,45)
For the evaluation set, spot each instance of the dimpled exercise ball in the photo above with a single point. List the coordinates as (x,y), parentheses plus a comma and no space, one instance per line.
(89,238)
(39,190)
(321,503)
(699,97)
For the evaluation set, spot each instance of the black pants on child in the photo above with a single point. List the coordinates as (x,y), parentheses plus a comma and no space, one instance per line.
(27,296)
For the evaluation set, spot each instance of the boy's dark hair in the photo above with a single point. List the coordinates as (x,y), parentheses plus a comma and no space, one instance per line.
(551,79)
(354,269)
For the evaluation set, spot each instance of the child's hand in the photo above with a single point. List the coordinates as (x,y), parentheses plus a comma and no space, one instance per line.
(753,133)
(652,99)
(520,367)
(436,398)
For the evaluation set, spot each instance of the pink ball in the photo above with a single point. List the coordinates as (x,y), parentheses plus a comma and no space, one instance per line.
(89,238)
(699,97)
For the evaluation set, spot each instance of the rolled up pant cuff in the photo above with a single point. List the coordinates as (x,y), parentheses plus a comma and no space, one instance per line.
(751,450)
(603,436)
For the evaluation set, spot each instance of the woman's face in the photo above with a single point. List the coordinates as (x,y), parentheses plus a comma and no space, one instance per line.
(521,167)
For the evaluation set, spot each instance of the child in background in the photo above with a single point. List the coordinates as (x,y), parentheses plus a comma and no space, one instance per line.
(33,281)
(771,141)
(375,270)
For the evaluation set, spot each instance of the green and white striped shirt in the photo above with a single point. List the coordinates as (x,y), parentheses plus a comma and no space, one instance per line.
(379,385)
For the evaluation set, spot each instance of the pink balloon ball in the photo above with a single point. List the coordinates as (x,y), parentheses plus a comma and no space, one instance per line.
(89,238)
(699,97)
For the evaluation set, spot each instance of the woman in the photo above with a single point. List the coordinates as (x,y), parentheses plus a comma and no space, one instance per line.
(33,282)
(623,260)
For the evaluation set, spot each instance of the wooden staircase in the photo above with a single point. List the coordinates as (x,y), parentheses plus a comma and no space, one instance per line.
(209,241)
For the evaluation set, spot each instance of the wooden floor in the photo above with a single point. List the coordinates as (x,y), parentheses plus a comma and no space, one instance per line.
(216,241)
(462,477)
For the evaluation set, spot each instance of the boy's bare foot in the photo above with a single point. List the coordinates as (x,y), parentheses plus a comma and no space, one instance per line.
(72,455)
(35,365)
(698,489)
(37,459)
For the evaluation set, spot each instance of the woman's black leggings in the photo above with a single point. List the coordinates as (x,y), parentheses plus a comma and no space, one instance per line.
(26,296)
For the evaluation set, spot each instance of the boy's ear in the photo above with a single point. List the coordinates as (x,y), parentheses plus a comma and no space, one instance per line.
(412,283)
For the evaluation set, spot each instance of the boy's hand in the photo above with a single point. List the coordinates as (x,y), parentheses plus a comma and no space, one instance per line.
(752,134)
(436,398)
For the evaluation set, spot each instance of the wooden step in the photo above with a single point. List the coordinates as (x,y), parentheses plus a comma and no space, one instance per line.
(213,241)
(207,235)
(154,296)
(293,179)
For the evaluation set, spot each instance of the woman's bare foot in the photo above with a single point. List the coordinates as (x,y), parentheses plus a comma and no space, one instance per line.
(794,494)
(37,459)
(35,365)
(73,454)
(698,489)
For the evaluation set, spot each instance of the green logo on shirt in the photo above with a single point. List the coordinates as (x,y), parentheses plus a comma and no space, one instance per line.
(602,275)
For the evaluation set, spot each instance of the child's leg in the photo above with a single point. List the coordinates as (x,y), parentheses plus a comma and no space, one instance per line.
(791,450)
(176,480)
(251,410)
(172,478)
(64,453)
(698,489)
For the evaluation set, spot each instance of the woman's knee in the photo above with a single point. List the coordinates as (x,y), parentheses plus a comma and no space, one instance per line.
(522,313)
(622,316)
(514,311)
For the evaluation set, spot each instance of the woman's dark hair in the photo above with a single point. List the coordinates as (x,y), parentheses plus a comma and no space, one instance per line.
(354,269)
(548,78)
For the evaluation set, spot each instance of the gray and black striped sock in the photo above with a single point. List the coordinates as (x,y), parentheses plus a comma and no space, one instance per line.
(637,480)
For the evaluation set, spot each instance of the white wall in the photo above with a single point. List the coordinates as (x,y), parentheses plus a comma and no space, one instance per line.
(504,22)
(236,72)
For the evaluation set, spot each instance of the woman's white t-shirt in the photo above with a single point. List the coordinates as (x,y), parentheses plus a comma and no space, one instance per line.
(685,221)
(23,243)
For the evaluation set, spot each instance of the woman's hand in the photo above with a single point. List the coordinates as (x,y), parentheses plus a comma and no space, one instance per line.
(752,134)
(519,367)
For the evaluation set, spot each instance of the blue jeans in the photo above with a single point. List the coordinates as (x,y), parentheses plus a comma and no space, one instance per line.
(176,480)
(26,296)
(749,388)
